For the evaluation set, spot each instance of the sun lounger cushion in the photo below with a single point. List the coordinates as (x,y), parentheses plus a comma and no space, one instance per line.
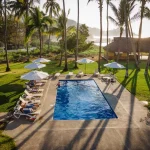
(27,110)
(32,94)
(70,74)
(57,74)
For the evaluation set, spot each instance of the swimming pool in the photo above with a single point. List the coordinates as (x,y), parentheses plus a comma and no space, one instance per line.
(81,100)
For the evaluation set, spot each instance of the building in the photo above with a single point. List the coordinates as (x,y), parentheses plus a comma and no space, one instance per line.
(122,46)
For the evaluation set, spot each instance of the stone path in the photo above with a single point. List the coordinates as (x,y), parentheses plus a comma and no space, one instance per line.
(126,132)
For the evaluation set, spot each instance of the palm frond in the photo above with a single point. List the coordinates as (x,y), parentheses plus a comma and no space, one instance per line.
(113,21)
(135,17)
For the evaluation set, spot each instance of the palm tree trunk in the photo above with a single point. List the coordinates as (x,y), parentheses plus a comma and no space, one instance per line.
(27,13)
(126,26)
(16,36)
(76,51)
(140,29)
(147,65)
(40,38)
(61,55)
(49,38)
(129,31)
(121,32)
(65,38)
(130,27)
(100,45)
(107,28)
(62,50)
(7,63)
(42,41)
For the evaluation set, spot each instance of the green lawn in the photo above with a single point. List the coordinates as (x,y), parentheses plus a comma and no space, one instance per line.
(91,52)
(137,83)
(6,143)
(11,87)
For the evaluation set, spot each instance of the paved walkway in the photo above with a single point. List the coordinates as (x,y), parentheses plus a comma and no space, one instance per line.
(3,116)
(126,132)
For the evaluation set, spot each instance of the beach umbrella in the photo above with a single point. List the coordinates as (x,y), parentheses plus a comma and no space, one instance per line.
(35,75)
(114,65)
(35,66)
(42,60)
(85,61)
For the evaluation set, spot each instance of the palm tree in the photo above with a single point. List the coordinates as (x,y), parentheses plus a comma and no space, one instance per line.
(147,15)
(65,38)
(23,8)
(143,3)
(38,22)
(126,28)
(107,1)
(129,8)
(7,63)
(100,3)
(53,7)
(76,51)
(119,19)
(59,31)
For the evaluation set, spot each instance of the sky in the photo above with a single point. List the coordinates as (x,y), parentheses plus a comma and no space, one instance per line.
(89,14)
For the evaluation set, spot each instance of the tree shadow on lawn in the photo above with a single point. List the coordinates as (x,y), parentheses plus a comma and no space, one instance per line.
(10,95)
(147,78)
(1,76)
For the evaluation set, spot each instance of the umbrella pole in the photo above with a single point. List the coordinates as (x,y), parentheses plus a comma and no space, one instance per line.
(85,68)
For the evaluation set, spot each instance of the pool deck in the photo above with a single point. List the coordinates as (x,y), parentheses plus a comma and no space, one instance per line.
(126,132)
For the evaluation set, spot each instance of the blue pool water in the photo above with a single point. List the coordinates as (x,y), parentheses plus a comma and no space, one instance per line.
(81,100)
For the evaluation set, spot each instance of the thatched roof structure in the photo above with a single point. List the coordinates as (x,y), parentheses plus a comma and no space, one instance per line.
(129,45)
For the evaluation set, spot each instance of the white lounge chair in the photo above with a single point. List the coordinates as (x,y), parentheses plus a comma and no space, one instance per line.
(80,74)
(33,94)
(70,74)
(96,73)
(57,75)
(41,81)
(30,101)
(17,113)
(34,90)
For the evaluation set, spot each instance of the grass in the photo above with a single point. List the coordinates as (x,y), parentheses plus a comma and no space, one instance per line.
(91,52)
(11,87)
(137,83)
(6,143)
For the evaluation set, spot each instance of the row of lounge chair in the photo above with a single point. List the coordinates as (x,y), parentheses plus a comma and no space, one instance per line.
(106,78)
(28,104)
(80,74)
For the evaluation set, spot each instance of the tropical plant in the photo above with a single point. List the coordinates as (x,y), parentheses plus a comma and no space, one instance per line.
(52,7)
(147,15)
(83,45)
(59,31)
(76,51)
(119,19)
(100,3)
(23,8)
(7,63)
(107,2)
(65,37)
(126,30)
(38,22)
(143,3)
